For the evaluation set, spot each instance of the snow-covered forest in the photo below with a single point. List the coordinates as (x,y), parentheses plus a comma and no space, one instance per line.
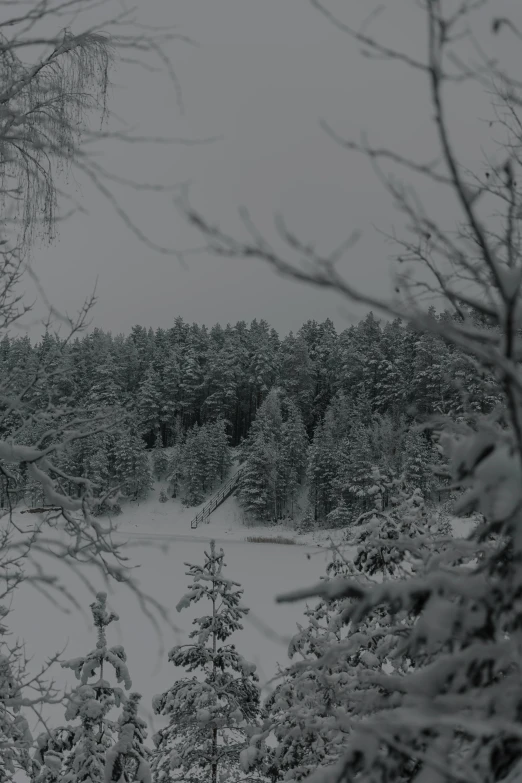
(337,414)
(392,449)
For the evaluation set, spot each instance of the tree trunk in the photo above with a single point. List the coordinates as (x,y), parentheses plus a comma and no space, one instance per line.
(214,753)
(214,766)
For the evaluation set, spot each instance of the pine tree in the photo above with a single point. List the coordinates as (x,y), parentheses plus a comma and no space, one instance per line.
(208,716)
(149,405)
(144,342)
(194,459)
(219,459)
(160,462)
(293,456)
(296,374)
(258,488)
(191,384)
(263,362)
(90,458)
(392,387)
(170,393)
(174,473)
(105,391)
(322,469)
(131,468)
(355,479)
(430,379)
(419,458)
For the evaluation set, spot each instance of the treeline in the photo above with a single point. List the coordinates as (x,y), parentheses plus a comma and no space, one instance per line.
(356,460)
(345,392)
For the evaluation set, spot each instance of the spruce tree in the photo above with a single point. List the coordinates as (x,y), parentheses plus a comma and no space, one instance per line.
(86,752)
(15,736)
(208,716)
(299,711)
(258,482)
(355,480)
(128,759)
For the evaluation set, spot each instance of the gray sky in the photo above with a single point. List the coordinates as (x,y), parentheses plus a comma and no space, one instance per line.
(263,75)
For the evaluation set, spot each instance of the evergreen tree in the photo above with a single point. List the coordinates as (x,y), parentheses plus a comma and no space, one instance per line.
(149,405)
(393,375)
(194,460)
(144,342)
(191,383)
(105,391)
(223,368)
(128,759)
(258,489)
(419,458)
(429,384)
(89,457)
(293,456)
(160,462)
(263,362)
(170,395)
(76,753)
(219,459)
(15,736)
(296,374)
(354,479)
(257,493)
(174,473)
(299,711)
(131,463)
(208,716)
(322,469)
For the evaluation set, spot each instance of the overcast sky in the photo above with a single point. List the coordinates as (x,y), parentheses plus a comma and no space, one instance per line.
(265,72)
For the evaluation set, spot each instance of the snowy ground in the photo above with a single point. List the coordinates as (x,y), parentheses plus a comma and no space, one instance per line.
(160,542)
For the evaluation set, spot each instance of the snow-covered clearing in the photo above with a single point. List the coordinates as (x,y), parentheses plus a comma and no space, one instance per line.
(160,542)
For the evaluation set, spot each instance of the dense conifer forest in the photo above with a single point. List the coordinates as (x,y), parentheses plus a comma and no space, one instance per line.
(339,414)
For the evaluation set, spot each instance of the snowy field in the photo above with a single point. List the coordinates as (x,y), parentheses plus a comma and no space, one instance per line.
(160,542)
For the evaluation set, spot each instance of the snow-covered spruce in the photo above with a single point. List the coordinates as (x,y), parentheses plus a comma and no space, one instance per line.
(300,708)
(128,759)
(274,456)
(313,710)
(209,714)
(15,736)
(76,752)
(448,709)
